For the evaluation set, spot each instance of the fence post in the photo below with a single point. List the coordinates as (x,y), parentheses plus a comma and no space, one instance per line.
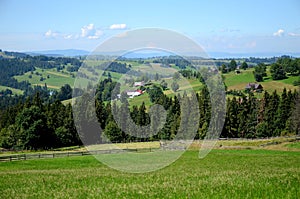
(10,158)
(53,154)
(24,156)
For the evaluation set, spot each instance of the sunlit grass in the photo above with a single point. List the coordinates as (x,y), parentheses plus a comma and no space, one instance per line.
(221,174)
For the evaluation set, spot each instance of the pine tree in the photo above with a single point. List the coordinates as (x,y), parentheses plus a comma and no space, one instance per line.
(204,111)
(284,110)
(231,124)
(112,133)
(294,120)
(271,114)
(244,65)
(232,65)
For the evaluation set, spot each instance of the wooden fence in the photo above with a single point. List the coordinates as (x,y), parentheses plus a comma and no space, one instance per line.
(28,156)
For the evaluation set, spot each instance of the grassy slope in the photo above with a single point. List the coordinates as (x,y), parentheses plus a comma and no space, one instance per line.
(14,90)
(222,174)
(232,80)
(183,86)
(239,81)
(56,80)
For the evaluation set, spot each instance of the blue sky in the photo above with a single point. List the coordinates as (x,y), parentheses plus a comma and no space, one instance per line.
(218,26)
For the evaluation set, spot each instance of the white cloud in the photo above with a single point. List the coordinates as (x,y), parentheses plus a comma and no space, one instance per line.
(68,36)
(279,33)
(89,31)
(51,34)
(118,26)
(294,34)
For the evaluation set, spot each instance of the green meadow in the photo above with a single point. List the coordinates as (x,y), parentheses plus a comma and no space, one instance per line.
(51,77)
(221,174)
(239,81)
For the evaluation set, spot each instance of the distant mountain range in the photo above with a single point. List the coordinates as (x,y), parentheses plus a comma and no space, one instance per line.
(145,54)
(59,53)
(247,55)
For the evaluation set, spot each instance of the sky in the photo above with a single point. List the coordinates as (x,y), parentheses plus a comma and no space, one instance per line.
(229,26)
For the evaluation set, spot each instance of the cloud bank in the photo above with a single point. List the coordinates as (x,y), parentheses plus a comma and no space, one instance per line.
(118,26)
(279,33)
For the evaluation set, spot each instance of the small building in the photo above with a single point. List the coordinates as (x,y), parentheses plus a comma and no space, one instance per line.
(254,87)
(142,83)
(135,93)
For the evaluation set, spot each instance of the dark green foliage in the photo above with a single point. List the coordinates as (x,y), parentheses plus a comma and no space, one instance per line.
(244,65)
(232,65)
(204,111)
(116,67)
(297,82)
(104,91)
(293,123)
(65,92)
(154,93)
(260,72)
(177,60)
(278,71)
(34,125)
(34,132)
(285,66)
(12,67)
(112,132)
(164,84)
(224,68)
(40,122)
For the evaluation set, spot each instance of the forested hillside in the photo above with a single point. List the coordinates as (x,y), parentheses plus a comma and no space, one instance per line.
(38,120)
(13,64)
(40,123)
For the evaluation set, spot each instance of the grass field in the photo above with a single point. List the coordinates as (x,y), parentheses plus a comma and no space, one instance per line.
(239,81)
(221,174)
(55,80)
(294,145)
(185,85)
(14,90)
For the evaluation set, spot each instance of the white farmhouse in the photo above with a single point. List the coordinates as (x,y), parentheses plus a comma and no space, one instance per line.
(133,94)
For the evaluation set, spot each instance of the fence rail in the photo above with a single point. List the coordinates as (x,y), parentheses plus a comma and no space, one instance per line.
(28,156)
(164,146)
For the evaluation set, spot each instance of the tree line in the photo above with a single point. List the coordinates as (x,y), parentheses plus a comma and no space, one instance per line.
(246,116)
(38,123)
